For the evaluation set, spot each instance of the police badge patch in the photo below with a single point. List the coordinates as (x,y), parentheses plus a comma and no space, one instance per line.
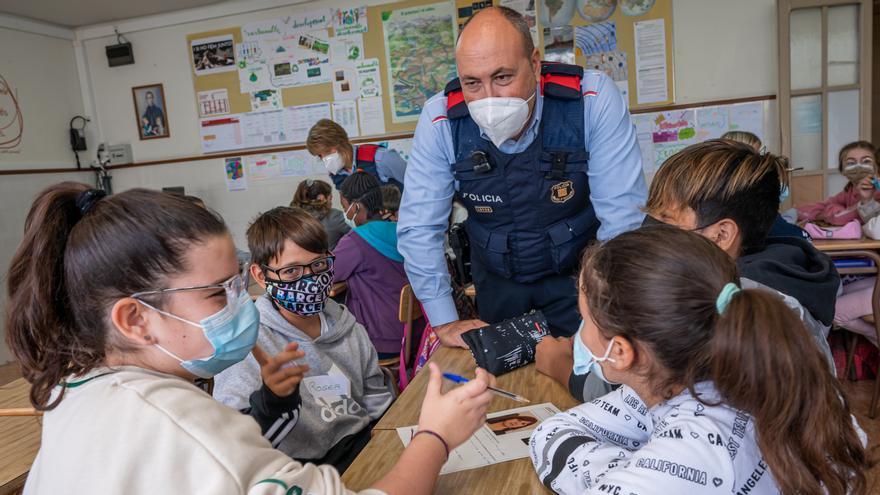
(562,192)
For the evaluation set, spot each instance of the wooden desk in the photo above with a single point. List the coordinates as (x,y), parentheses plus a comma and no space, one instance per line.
(509,477)
(826,245)
(21,437)
(525,381)
(377,458)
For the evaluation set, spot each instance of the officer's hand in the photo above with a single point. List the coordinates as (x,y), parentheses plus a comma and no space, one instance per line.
(554,357)
(450,333)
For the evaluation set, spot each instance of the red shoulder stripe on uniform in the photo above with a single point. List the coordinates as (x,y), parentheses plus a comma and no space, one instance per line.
(591,93)
(439,118)
(454,98)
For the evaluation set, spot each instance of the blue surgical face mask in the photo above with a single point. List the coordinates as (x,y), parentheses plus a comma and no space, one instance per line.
(584,360)
(784,194)
(232,332)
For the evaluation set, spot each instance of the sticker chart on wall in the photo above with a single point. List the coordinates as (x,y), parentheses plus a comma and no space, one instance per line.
(630,40)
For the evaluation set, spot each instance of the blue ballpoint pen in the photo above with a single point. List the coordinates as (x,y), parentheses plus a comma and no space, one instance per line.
(496,391)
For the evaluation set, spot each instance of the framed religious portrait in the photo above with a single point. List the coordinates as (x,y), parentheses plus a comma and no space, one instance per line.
(151,114)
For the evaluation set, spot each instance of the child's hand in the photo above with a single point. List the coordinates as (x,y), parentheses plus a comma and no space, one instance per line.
(554,357)
(866,189)
(457,414)
(282,381)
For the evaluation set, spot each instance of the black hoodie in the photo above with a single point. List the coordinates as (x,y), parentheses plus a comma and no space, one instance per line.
(796,268)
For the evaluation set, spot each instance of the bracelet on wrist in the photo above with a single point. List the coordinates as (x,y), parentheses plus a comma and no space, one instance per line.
(437,436)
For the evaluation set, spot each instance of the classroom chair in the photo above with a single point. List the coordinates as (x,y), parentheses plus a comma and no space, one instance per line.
(873,318)
(409,311)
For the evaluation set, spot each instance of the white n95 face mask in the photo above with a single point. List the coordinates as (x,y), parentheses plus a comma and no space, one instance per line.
(500,118)
(333,162)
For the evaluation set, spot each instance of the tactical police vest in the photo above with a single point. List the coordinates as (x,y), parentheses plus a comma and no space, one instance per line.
(365,159)
(529,214)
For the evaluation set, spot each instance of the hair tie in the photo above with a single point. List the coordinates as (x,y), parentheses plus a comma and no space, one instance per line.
(88,198)
(725,296)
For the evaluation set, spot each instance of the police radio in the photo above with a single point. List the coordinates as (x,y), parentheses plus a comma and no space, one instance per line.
(481,162)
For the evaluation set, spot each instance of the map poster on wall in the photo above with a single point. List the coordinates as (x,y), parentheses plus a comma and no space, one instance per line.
(419,51)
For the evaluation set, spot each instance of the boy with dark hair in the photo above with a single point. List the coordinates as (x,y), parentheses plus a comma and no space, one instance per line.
(729,193)
(344,391)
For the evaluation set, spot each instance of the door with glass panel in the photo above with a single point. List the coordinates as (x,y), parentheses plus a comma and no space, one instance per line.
(824,89)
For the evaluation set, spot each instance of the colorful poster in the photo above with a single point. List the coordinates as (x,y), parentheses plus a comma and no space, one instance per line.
(611,63)
(234,171)
(350,21)
(300,163)
(369,80)
(221,133)
(596,10)
(559,44)
(676,126)
(748,117)
(299,59)
(636,7)
(213,102)
(556,13)
(712,122)
(347,50)
(213,55)
(420,56)
(267,99)
(263,167)
(596,38)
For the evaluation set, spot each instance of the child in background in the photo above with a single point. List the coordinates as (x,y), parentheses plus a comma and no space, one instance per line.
(857,161)
(858,200)
(328,141)
(722,390)
(367,258)
(780,227)
(316,197)
(111,361)
(390,202)
(344,389)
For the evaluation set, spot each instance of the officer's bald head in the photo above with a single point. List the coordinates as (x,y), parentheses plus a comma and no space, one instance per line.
(499,22)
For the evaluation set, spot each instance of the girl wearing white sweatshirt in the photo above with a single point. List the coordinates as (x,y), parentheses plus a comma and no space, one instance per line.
(722,389)
(116,304)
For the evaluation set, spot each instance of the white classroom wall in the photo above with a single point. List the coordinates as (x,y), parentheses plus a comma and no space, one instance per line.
(722,49)
(42,72)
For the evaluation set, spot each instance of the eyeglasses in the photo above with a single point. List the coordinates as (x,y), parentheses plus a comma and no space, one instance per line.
(294,272)
(234,287)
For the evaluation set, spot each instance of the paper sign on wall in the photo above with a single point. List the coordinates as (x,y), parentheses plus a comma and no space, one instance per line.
(371,116)
(369,80)
(350,21)
(213,102)
(345,114)
(345,83)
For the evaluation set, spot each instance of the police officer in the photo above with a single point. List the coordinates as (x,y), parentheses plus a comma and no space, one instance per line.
(545,159)
(328,141)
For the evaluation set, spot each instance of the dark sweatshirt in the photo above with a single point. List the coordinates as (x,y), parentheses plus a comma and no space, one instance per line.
(796,268)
